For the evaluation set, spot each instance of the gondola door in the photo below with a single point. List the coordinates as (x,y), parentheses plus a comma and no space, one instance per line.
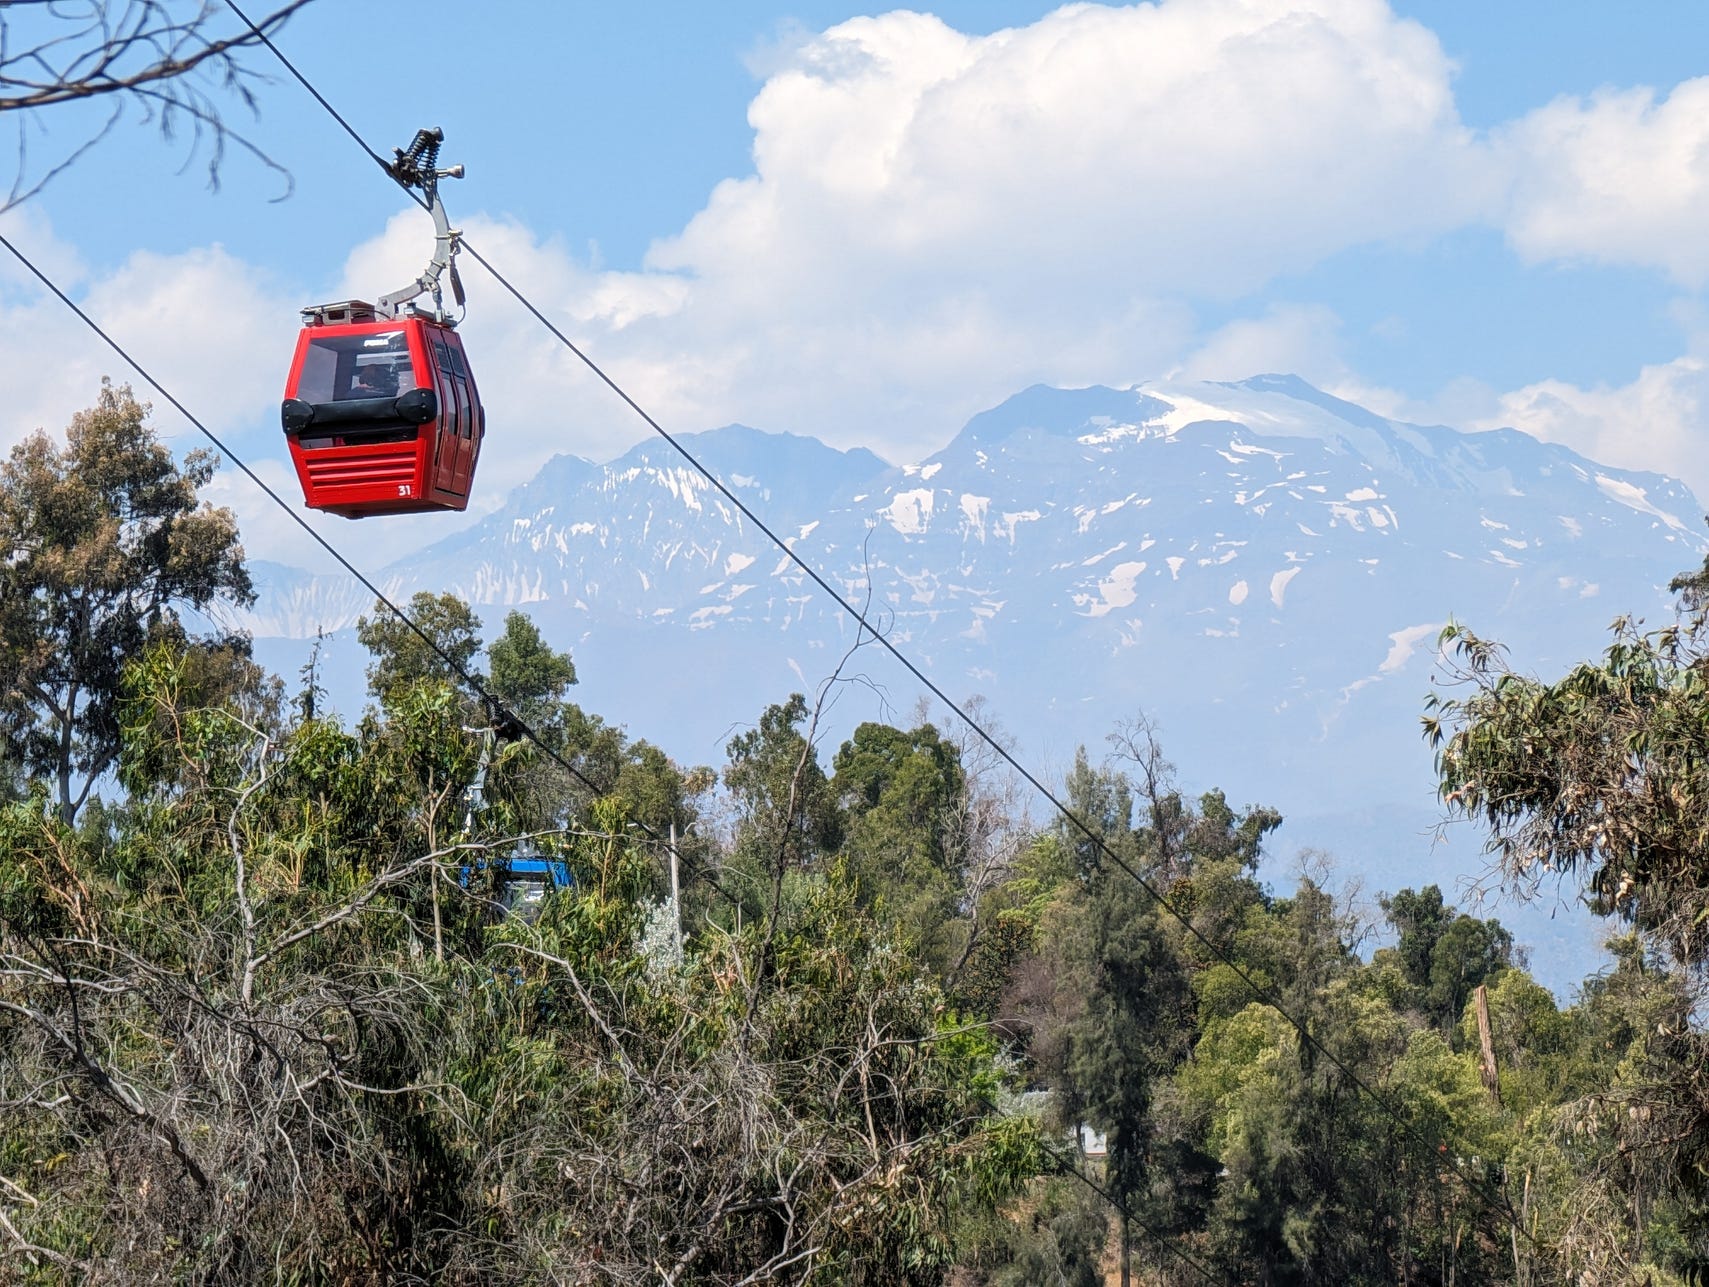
(452,465)
(477,426)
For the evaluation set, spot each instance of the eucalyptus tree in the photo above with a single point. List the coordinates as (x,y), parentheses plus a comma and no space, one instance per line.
(109,549)
(902,794)
(444,639)
(1443,953)
(1600,780)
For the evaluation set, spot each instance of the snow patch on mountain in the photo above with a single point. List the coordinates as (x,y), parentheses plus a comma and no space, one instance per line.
(1116,590)
(1403,643)
(910,512)
(1185,410)
(974,508)
(1637,498)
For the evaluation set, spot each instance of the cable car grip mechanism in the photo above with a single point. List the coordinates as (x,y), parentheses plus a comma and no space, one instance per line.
(417,169)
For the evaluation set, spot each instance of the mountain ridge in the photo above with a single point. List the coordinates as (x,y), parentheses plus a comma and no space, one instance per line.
(1258,566)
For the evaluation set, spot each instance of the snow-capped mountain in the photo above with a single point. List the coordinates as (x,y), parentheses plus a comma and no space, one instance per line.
(1260,546)
(1259,567)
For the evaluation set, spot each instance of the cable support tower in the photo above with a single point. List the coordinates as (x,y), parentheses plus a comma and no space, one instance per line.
(1499,1207)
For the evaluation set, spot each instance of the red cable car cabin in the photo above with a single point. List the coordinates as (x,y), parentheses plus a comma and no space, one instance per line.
(382,415)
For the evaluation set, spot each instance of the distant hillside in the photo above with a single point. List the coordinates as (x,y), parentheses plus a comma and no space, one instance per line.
(1260,567)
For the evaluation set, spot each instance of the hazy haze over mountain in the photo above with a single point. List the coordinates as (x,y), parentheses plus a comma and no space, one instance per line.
(1259,567)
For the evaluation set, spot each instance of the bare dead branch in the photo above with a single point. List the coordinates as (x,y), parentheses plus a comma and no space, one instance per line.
(167,58)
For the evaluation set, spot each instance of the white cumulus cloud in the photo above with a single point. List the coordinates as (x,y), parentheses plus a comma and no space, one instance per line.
(1621,177)
(1300,339)
(213,330)
(1655,422)
(936,219)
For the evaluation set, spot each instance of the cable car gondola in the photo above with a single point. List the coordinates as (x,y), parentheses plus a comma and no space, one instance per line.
(381,412)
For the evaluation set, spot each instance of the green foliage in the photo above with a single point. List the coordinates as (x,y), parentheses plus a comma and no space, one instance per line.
(1056,1234)
(266,1016)
(403,657)
(1597,775)
(1535,1043)
(788,811)
(371,1079)
(525,672)
(1444,955)
(107,545)
(1597,778)
(902,795)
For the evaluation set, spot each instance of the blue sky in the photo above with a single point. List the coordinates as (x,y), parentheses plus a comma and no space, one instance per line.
(867,224)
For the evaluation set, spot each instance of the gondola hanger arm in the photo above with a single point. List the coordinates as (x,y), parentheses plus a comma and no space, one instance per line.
(417,170)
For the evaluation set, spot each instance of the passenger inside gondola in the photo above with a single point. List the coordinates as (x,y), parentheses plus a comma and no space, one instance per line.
(372,380)
(339,368)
